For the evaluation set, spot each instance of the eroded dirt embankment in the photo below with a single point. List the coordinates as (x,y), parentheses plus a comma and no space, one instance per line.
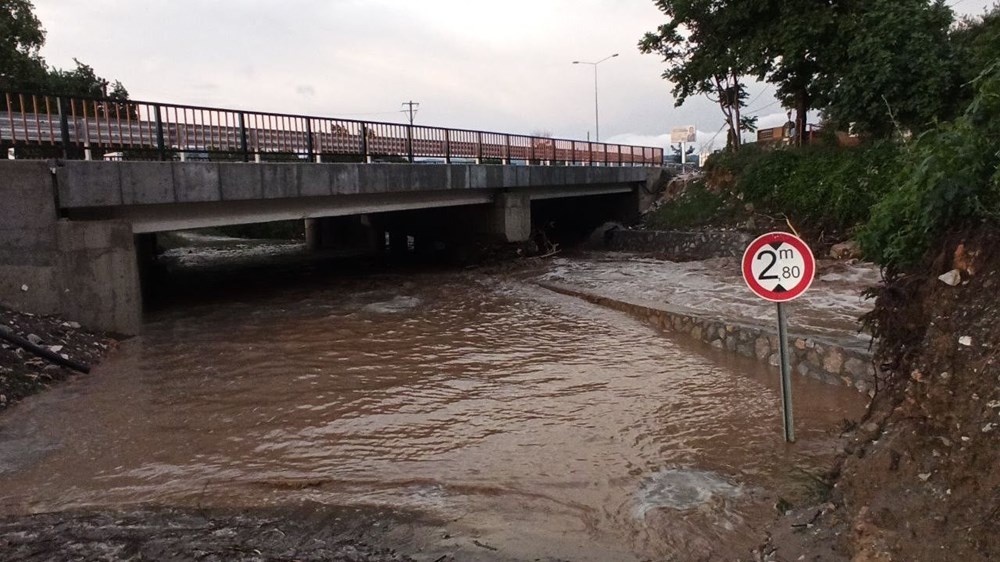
(308,533)
(23,373)
(919,481)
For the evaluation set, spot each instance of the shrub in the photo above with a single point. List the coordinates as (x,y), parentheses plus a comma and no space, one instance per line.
(830,188)
(696,206)
(948,178)
(826,187)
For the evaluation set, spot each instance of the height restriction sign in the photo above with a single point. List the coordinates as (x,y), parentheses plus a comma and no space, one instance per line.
(778,266)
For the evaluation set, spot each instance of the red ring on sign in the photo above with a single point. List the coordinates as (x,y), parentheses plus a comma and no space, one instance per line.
(809,266)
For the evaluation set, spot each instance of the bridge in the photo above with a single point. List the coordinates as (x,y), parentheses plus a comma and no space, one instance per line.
(96,179)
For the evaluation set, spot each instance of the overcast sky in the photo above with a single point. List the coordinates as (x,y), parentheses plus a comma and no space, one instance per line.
(502,65)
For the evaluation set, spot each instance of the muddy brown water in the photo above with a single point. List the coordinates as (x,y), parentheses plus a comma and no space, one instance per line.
(535,424)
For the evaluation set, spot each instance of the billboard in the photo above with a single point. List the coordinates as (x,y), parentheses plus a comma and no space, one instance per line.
(683,134)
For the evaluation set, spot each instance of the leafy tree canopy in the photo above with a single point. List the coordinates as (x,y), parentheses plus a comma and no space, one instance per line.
(83,81)
(977,46)
(893,66)
(878,65)
(950,179)
(23,69)
(708,53)
(21,36)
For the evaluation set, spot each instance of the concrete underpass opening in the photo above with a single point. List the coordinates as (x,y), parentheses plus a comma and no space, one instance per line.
(570,221)
(206,265)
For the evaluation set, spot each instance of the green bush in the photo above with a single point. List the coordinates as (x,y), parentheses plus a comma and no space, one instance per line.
(825,187)
(734,162)
(828,188)
(949,177)
(696,206)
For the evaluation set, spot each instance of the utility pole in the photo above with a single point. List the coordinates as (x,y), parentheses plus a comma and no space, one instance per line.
(412,109)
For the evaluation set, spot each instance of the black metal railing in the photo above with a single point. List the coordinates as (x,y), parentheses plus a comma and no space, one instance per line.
(81,128)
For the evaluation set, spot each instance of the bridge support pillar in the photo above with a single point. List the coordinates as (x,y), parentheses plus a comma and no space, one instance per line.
(312,234)
(86,271)
(647,194)
(511,217)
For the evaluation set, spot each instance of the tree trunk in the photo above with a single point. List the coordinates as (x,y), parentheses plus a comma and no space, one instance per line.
(732,139)
(801,117)
(736,111)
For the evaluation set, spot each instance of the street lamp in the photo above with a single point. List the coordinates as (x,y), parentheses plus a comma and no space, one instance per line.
(597,121)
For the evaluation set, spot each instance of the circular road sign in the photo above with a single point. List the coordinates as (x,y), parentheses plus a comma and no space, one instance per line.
(778,266)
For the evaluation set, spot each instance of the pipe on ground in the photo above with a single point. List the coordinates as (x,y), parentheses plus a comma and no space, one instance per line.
(7,334)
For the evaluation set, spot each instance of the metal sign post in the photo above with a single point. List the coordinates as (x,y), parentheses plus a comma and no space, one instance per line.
(786,376)
(780,267)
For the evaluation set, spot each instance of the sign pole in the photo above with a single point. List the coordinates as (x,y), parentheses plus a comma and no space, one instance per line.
(779,267)
(786,375)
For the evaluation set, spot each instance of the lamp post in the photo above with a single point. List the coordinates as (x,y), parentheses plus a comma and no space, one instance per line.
(597,120)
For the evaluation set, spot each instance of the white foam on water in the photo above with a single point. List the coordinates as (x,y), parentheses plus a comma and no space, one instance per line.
(831,306)
(393,306)
(682,489)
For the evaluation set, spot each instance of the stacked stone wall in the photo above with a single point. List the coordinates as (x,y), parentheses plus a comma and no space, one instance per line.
(811,356)
(680,245)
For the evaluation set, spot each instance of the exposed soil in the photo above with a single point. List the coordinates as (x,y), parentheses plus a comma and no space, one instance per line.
(304,534)
(22,373)
(919,479)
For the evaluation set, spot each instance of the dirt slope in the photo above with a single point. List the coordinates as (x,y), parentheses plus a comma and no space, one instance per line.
(921,478)
(22,373)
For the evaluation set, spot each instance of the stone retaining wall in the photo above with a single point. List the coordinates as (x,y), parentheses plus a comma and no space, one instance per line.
(680,245)
(810,356)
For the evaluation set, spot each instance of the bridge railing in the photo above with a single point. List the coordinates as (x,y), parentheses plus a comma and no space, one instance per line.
(98,127)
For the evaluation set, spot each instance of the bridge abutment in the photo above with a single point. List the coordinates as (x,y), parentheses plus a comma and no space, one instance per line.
(99,273)
(28,245)
(87,271)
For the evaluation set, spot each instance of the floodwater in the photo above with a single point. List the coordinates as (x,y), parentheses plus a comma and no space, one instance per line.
(534,424)
(831,306)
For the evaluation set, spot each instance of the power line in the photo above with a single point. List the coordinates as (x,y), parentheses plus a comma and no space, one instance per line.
(412,109)
(712,140)
(761,93)
(368,113)
(759,109)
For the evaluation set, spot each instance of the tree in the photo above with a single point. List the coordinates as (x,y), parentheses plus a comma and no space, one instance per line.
(22,67)
(21,36)
(708,52)
(83,81)
(976,42)
(891,66)
(950,179)
(877,65)
(792,38)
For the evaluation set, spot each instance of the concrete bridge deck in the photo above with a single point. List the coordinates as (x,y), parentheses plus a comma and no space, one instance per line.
(164,196)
